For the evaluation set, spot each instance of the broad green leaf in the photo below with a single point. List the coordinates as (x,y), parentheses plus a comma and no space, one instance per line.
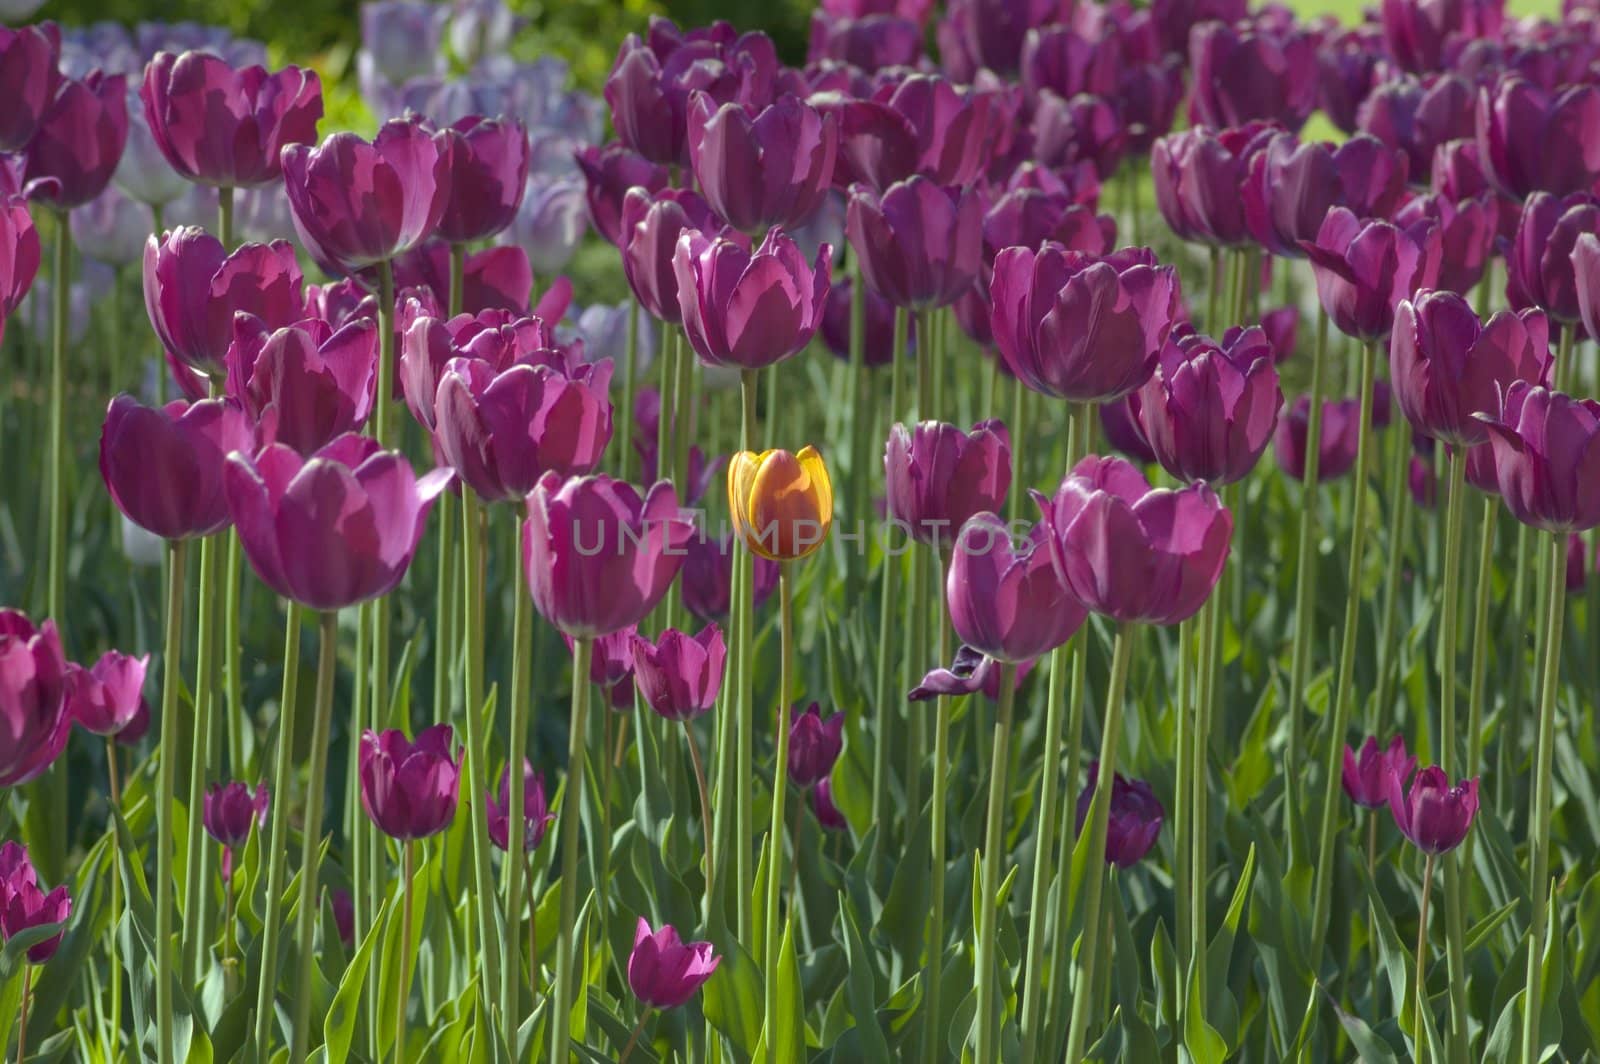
(339,1026)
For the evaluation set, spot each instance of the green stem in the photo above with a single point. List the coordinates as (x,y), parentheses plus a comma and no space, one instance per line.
(1214,292)
(780,788)
(1182,797)
(1481,642)
(990,1009)
(669,391)
(115,973)
(409,848)
(458,279)
(860,449)
(364,877)
(61,293)
(1398,493)
(472,542)
(1305,594)
(204,673)
(311,831)
(568,965)
(1455,512)
(933,1045)
(1019,439)
(1210,623)
(239,719)
(1421,1024)
(726,730)
(882,698)
(630,373)
(1539,835)
(521,677)
(167,785)
(225,217)
(444,611)
(278,848)
(1100,816)
(745,713)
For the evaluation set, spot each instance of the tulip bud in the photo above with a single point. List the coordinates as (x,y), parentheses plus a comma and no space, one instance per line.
(536,815)
(781,504)
(814,745)
(34,721)
(1199,176)
(1251,75)
(78,142)
(1366,778)
(1546,445)
(1531,139)
(920,243)
(1003,596)
(708,574)
(164,466)
(1540,263)
(1435,816)
(827,813)
(305,385)
(679,676)
(487,160)
(105,698)
(29,80)
(610,173)
(744,309)
(664,972)
(1135,820)
(1364,270)
(938,476)
(761,169)
(24,906)
(409,790)
(344,915)
(19,255)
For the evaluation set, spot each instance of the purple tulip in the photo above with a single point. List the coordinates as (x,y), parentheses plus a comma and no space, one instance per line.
(333,529)
(877,338)
(1027,217)
(1415,117)
(1084,129)
(1417,32)
(1003,596)
(648,237)
(1132,552)
(1467,236)
(1448,367)
(1246,75)
(1067,62)
(877,144)
(1336,450)
(951,129)
(1364,270)
(19,255)
(937,476)
(1435,816)
(1210,409)
(1586,276)
(1539,262)
(920,244)
(78,142)
(975,34)
(550,223)
(1532,139)
(498,338)
(1082,328)
(814,745)
(194,288)
(611,666)
(400,39)
(29,80)
(487,163)
(409,789)
(598,558)
(105,698)
(747,309)
(1281,324)
(1456,172)
(1349,66)
(34,717)
(1122,430)
(871,42)
(1577,574)
(1199,177)
(164,465)
(305,385)
(708,574)
(343,908)
(1366,778)
(1546,458)
(610,172)
(497,278)
(1292,186)
(230,811)
(827,813)
(664,972)
(915,10)
(1135,819)
(221,126)
(23,905)
(357,204)
(761,169)
(536,815)
(679,675)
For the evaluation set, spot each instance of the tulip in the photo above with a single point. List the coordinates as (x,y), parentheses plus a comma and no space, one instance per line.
(747,309)
(230,810)
(194,288)
(1080,328)
(357,204)
(761,169)
(598,558)
(872,42)
(781,504)
(1545,457)
(914,10)
(650,84)
(1586,277)
(487,163)
(26,907)
(1416,117)
(1435,816)
(1467,236)
(550,223)
(332,529)
(877,144)
(1350,66)
(34,717)
(952,129)
(1247,75)
(19,256)
(78,142)
(1280,325)
(481,29)
(1292,186)
(1364,270)
(989,33)
(827,813)
(498,338)
(105,698)
(1539,263)
(1366,778)
(400,40)
(221,126)
(1418,33)
(611,666)
(708,574)
(496,278)
(305,385)
(610,173)
(164,465)
(814,745)
(920,244)
(1123,431)
(648,237)
(679,675)
(1003,595)
(1199,177)
(344,915)
(1447,367)
(1456,171)
(938,476)
(663,972)
(1532,139)
(29,80)
(1027,217)
(1131,552)
(1210,410)
(536,813)
(1136,817)
(1067,62)
(1336,450)
(409,789)
(1084,129)
(1577,569)
(877,338)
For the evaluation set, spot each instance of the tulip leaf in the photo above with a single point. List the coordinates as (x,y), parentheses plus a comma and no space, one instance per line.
(732,997)
(1220,951)
(339,1026)
(1479,933)
(1204,1044)
(1371,1048)
(392,997)
(860,986)
(784,1037)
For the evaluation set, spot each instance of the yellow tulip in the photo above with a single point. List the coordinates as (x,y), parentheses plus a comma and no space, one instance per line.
(782,503)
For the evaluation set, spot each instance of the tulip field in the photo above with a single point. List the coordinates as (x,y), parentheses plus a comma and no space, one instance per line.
(1023,531)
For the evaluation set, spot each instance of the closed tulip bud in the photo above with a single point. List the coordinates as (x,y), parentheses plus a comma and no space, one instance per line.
(814,745)
(29,79)
(1292,186)
(920,244)
(1534,140)
(749,309)
(648,238)
(1209,411)
(1135,821)
(1132,552)
(1467,236)
(78,142)
(1447,367)
(1336,450)
(306,385)
(26,906)
(105,698)
(19,256)
(230,811)
(1081,328)
(1199,177)
(1246,75)
(952,128)
(611,666)
(332,529)
(781,504)
(761,169)
(1417,117)
(679,675)
(1364,270)
(409,789)
(871,42)
(1435,816)
(708,575)
(664,972)
(163,465)
(827,813)
(34,721)
(596,556)
(1028,217)
(610,173)
(536,815)
(1540,262)
(1418,33)
(1350,65)
(487,160)
(1003,595)
(1281,324)
(1365,778)
(358,203)
(221,126)
(1546,457)
(937,476)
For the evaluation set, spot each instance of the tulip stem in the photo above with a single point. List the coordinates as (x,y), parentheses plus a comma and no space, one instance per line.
(61,293)
(744,611)
(472,544)
(172,652)
(1480,644)
(1455,512)
(1305,579)
(988,973)
(1214,292)
(665,429)
(458,278)
(933,1045)
(22,1019)
(1339,711)
(116,898)
(277,850)
(780,781)
(705,803)
(860,450)
(1398,494)
(238,717)
(1539,836)
(1084,992)
(1420,1025)
(311,830)
(568,966)
(225,217)
(1019,449)
(205,668)
(444,642)
(516,798)
(630,371)
(891,569)
(633,1039)
(408,848)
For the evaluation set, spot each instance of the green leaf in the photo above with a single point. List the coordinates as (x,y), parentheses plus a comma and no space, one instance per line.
(785,1036)
(1372,1049)
(339,1026)
(732,998)
(861,989)
(1204,1044)
(391,997)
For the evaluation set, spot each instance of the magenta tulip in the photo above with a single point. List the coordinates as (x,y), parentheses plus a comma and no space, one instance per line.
(610,172)
(814,745)
(1123,431)
(1418,32)
(496,278)
(1199,178)
(23,905)
(78,142)
(611,666)
(1364,270)
(871,42)
(19,255)
(937,476)
(1546,457)
(749,309)
(106,697)
(1540,264)
(1336,450)
(1003,595)
(1586,277)
(1292,186)
(664,972)
(1028,217)
(822,806)
(305,385)
(1083,130)
(680,675)
(229,813)
(164,465)
(409,789)
(952,129)
(343,907)
(1434,815)
(1467,236)
(877,337)
(1246,75)
(29,80)
(920,244)
(761,169)
(1417,117)
(34,717)
(708,575)
(1136,817)
(536,815)
(1350,66)
(498,338)
(1536,140)
(1366,778)
(487,164)
(648,238)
